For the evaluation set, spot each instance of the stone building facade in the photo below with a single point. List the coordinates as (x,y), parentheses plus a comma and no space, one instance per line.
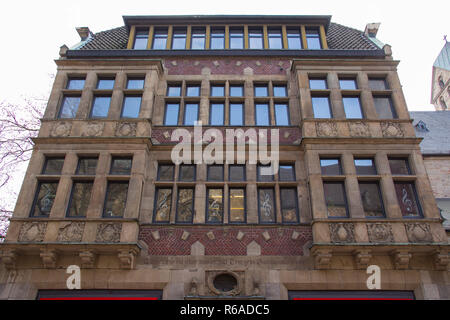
(102,192)
(440,85)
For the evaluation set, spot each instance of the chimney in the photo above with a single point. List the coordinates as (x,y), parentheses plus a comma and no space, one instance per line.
(63,51)
(372,29)
(83,32)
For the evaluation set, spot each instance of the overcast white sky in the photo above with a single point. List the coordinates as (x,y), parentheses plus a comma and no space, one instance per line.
(33,31)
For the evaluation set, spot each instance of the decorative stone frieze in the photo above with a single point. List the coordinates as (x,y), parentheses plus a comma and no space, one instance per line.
(359,129)
(418,232)
(362,258)
(61,129)
(391,130)
(87,259)
(401,259)
(93,129)
(322,258)
(326,129)
(380,233)
(71,232)
(126,129)
(108,232)
(342,232)
(32,232)
(48,257)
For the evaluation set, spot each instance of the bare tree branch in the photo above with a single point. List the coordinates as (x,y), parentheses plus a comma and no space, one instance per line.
(19,123)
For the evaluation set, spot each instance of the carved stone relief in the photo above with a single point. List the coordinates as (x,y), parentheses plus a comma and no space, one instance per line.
(401,259)
(326,129)
(391,130)
(93,129)
(322,258)
(108,232)
(61,129)
(342,232)
(224,289)
(126,129)
(359,129)
(418,232)
(127,258)
(380,233)
(71,232)
(49,257)
(32,232)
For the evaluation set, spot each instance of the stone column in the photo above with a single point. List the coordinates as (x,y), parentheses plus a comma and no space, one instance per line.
(272,112)
(226,204)
(249,111)
(337,106)
(387,186)
(115,107)
(278,204)
(135,186)
(200,203)
(134,196)
(87,96)
(173,210)
(64,187)
(204,102)
(55,98)
(151,83)
(355,206)
(251,193)
(95,209)
(366,97)
(305,95)
(318,206)
(398,99)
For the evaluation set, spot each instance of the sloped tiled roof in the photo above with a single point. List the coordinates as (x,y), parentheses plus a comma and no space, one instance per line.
(443,60)
(436,135)
(108,40)
(339,38)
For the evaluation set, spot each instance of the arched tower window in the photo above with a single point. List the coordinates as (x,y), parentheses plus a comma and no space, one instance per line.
(441,82)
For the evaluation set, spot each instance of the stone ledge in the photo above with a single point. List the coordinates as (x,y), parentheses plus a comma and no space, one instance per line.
(88,253)
(400,254)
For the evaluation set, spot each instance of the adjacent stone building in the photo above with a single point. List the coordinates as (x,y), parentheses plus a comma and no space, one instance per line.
(433,127)
(102,192)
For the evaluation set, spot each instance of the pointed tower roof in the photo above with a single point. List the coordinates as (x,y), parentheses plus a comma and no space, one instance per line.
(443,60)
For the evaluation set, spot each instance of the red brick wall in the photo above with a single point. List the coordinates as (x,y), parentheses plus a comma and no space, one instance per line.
(225,242)
(221,65)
